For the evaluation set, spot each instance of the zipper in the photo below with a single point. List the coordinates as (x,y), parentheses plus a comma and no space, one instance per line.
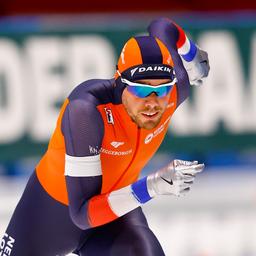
(136,149)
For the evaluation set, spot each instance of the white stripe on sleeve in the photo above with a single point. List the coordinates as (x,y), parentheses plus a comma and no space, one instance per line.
(185,48)
(85,166)
(122,201)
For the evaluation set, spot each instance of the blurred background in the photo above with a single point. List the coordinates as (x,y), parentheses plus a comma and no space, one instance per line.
(48,47)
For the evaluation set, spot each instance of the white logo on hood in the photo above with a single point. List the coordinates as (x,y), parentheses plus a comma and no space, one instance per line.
(133,71)
(151,68)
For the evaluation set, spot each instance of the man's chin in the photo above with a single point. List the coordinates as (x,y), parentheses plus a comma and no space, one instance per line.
(149,124)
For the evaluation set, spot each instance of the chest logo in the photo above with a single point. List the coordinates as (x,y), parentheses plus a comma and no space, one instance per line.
(159,130)
(116,144)
(109,115)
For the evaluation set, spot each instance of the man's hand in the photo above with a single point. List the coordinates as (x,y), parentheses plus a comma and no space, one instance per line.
(174,179)
(198,68)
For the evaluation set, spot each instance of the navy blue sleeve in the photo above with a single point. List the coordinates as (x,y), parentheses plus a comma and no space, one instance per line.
(83,130)
(80,190)
(168,33)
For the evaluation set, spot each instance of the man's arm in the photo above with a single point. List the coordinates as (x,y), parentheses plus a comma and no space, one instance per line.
(185,54)
(174,179)
(195,60)
(83,128)
(89,208)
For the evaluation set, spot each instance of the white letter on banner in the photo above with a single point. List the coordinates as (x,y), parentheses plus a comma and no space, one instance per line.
(222,95)
(12,108)
(250,103)
(45,57)
(90,57)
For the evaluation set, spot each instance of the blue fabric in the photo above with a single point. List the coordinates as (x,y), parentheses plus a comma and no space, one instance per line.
(45,220)
(191,54)
(77,127)
(129,235)
(82,136)
(140,190)
(148,45)
(80,191)
(168,33)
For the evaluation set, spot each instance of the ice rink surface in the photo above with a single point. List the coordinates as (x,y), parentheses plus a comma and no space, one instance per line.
(217,218)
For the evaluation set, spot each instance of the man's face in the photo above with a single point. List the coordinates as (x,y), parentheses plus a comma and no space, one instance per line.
(146,112)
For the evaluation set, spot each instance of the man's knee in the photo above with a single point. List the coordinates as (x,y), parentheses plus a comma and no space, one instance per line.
(133,240)
(137,240)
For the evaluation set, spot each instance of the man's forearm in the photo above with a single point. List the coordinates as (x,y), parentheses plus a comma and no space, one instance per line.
(91,209)
(108,207)
(173,36)
(174,179)
(194,59)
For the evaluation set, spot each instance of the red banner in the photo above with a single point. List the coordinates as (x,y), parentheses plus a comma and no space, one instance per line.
(8,7)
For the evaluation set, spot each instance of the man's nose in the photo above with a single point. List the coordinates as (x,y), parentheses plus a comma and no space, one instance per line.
(152,100)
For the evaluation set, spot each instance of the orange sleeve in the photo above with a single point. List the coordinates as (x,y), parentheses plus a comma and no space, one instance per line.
(99,211)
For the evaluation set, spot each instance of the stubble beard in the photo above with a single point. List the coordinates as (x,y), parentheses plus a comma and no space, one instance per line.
(137,118)
(148,124)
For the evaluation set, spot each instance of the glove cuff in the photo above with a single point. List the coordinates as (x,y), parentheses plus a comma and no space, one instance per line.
(140,190)
(151,185)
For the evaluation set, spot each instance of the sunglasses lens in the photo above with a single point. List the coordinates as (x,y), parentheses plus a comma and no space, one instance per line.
(143,92)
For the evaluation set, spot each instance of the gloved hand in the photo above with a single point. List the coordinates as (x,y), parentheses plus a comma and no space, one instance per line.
(198,68)
(174,179)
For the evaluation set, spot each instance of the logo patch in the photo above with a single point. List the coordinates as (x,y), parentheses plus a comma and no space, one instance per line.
(151,69)
(160,129)
(109,115)
(149,138)
(170,105)
(116,144)
(133,71)
(116,153)
(169,182)
(93,151)
(6,245)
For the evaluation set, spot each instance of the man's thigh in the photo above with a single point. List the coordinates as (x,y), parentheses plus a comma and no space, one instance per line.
(40,225)
(127,236)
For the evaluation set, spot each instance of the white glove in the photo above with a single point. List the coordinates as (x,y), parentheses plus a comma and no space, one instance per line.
(174,179)
(198,68)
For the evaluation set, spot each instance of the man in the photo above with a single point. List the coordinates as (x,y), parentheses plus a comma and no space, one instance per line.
(85,195)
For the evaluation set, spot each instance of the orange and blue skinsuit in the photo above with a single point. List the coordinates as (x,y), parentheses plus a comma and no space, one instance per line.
(95,157)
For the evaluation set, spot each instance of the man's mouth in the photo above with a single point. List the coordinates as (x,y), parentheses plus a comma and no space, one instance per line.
(150,115)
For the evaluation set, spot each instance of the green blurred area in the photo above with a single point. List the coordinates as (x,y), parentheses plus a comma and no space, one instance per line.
(20,30)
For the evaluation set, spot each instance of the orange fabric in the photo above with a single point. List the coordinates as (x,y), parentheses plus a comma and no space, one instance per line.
(120,166)
(99,211)
(120,171)
(130,55)
(50,170)
(167,59)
